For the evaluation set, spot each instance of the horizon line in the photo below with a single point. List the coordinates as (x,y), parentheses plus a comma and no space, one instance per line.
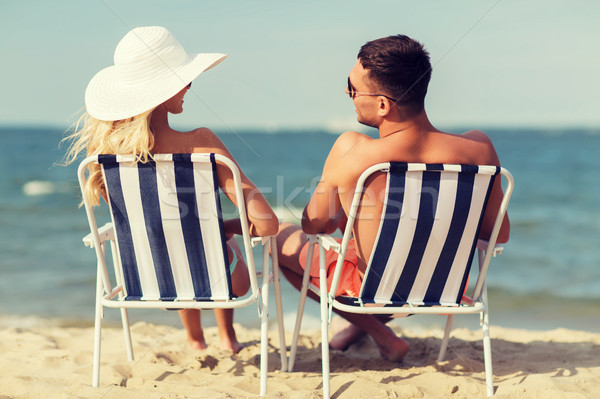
(328,130)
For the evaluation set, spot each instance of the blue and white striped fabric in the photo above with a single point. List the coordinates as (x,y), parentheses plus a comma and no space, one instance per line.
(427,236)
(168,226)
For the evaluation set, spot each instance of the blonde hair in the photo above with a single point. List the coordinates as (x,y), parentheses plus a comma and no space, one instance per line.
(131,136)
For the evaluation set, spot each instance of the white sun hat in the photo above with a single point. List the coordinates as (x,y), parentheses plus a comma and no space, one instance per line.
(150,66)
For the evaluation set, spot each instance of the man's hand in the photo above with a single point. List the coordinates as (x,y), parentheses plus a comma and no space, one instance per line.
(341,220)
(324,226)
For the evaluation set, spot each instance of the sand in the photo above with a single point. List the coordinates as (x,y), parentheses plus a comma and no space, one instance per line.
(56,362)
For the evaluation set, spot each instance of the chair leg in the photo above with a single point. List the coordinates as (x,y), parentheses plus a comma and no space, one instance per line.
(487,346)
(324,301)
(264,325)
(124,314)
(301,303)
(97,331)
(127,334)
(442,354)
(277,288)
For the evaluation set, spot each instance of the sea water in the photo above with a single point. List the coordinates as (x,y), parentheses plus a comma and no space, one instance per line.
(547,277)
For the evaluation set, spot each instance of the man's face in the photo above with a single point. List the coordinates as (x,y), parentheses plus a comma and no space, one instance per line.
(366,105)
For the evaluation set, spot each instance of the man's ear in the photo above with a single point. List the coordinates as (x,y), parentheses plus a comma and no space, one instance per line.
(384,106)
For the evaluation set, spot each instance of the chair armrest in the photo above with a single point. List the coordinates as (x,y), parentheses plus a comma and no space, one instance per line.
(254,241)
(105,232)
(483,246)
(329,243)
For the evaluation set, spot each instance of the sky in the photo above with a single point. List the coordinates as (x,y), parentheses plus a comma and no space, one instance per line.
(496,63)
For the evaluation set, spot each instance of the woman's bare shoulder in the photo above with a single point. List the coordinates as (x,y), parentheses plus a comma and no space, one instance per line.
(203,139)
(202,132)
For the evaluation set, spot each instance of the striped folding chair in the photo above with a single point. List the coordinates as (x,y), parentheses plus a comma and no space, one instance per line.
(168,244)
(422,256)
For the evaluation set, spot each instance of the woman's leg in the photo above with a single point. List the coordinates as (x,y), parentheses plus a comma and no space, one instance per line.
(240,283)
(193,327)
(227,335)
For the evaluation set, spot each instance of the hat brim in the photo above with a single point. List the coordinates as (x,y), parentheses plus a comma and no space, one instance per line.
(108,99)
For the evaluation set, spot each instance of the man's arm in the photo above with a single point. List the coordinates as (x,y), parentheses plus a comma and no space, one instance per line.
(324,212)
(493,206)
(320,215)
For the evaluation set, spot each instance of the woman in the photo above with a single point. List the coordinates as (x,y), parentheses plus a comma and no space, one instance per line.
(128,105)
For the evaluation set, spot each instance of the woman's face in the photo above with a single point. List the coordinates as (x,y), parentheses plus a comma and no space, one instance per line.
(174,104)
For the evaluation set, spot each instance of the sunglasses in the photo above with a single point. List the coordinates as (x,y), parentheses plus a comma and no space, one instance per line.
(353,93)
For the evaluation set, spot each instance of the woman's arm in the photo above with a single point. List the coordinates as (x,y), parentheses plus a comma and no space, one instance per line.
(262,221)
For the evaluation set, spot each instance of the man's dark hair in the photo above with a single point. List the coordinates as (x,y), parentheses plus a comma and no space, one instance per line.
(399,67)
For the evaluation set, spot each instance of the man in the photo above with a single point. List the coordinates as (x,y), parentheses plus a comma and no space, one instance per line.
(387,84)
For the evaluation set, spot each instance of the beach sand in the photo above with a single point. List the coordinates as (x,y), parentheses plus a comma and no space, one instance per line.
(56,362)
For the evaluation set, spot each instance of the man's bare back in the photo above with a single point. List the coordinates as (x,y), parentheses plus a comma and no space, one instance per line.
(354,152)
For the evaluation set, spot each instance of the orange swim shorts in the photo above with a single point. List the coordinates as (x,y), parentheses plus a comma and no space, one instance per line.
(350,280)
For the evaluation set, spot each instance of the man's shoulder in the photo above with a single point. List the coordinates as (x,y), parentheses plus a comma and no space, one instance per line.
(481,148)
(349,149)
(343,158)
(348,140)
(350,155)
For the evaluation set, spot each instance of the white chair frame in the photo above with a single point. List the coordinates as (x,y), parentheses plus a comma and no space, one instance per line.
(113,297)
(328,301)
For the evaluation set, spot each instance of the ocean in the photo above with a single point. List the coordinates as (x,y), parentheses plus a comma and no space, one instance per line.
(548,276)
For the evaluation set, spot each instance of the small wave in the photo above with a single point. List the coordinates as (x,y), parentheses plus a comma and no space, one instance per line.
(37,188)
(25,321)
(309,321)
(288,213)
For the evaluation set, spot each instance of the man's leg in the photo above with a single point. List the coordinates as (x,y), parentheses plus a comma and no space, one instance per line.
(290,241)
(347,336)
(391,347)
